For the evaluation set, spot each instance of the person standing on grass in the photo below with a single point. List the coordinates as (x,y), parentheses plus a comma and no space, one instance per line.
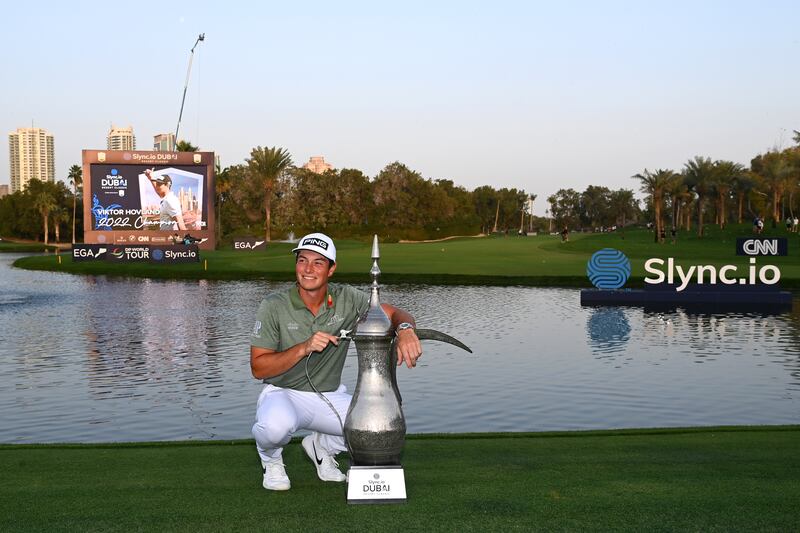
(297,345)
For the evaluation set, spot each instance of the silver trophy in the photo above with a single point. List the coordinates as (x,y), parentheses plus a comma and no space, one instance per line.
(375,428)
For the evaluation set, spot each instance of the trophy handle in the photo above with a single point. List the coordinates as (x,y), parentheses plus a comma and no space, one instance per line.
(393,371)
(433,335)
(422,334)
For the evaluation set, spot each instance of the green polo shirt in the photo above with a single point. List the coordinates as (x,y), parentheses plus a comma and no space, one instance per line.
(283,320)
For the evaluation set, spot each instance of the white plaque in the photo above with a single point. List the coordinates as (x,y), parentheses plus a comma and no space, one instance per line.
(376,484)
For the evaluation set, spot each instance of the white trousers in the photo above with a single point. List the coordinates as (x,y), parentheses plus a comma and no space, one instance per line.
(280,413)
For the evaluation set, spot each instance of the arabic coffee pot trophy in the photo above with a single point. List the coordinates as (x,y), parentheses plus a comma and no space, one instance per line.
(375,427)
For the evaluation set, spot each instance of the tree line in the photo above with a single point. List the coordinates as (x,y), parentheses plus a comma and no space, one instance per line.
(267,195)
(722,191)
(45,209)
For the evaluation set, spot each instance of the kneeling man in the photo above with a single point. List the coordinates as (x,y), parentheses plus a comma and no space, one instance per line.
(307,321)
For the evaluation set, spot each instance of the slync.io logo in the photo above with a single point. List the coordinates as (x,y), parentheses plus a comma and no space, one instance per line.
(608,269)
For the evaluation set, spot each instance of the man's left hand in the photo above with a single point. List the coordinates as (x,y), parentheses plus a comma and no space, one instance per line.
(408,348)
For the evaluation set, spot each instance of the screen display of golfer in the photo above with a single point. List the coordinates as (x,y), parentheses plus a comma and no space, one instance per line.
(298,344)
(171,217)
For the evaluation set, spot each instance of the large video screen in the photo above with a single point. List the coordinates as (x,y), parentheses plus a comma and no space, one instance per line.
(148,197)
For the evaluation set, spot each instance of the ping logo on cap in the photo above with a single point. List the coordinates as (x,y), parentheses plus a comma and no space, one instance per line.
(315,242)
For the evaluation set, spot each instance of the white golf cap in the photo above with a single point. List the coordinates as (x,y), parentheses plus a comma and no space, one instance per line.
(318,242)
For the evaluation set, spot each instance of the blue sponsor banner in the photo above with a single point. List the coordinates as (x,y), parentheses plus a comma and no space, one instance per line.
(166,255)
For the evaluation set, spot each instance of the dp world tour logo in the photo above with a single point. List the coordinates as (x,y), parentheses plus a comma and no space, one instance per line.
(608,269)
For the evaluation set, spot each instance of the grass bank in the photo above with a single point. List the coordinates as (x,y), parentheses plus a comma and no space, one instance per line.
(537,260)
(24,247)
(707,479)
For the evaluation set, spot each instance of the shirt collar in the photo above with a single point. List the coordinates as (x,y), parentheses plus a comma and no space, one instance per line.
(294,297)
(298,303)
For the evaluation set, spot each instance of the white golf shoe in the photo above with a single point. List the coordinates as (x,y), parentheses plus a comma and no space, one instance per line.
(327,467)
(275,477)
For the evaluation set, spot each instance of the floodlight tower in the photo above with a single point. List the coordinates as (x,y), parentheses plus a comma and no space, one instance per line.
(200,38)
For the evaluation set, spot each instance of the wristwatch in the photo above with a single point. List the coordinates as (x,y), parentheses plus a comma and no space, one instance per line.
(404,325)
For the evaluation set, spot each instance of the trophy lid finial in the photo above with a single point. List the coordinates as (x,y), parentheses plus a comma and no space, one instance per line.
(374,322)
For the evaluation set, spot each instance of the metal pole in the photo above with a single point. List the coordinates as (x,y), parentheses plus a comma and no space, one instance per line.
(201,37)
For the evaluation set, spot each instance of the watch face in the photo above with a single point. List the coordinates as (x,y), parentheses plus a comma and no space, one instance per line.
(405,325)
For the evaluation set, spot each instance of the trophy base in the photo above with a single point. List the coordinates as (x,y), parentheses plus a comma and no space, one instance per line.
(376,484)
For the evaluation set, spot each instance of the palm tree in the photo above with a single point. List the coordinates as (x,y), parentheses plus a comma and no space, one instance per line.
(532,199)
(623,204)
(44,203)
(654,184)
(186,146)
(773,169)
(727,172)
(700,174)
(223,183)
(677,191)
(75,178)
(58,215)
(742,185)
(266,165)
(552,200)
(793,174)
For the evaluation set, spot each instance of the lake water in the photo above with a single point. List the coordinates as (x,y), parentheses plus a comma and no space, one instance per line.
(96,359)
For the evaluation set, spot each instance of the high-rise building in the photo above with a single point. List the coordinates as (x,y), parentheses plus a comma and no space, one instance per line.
(31,155)
(3,190)
(164,142)
(318,165)
(121,138)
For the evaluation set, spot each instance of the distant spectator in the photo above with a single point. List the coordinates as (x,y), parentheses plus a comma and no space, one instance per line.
(788,223)
(674,234)
(564,234)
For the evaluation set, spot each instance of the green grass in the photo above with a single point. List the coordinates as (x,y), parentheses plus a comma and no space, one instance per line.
(708,479)
(542,260)
(22,247)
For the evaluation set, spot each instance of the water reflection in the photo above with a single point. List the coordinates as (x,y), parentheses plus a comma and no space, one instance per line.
(146,332)
(97,359)
(608,329)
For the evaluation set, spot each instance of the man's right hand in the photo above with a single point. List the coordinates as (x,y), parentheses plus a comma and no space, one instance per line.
(319,341)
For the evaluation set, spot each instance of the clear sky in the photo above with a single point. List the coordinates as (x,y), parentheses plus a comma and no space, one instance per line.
(533,95)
